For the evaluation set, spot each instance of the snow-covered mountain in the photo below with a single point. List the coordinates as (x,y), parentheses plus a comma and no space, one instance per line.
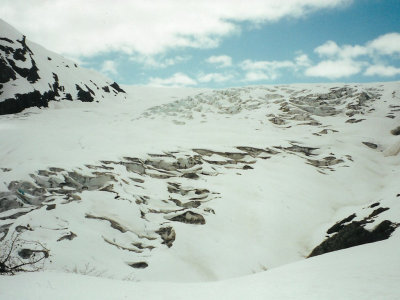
(206,194)
(32,76)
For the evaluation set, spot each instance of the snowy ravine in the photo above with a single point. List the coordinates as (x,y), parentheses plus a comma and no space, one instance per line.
(162,193)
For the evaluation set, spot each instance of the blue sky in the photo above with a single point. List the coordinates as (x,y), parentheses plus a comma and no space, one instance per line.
(220,43)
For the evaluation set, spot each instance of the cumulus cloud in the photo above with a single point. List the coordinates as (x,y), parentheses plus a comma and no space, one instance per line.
(257,76)
(214,77)
(264,70)
(221,60)
(176,80)
(381,70)
(334,69)
(85,28)
(109,67)
(386,44)
(347,60)
(331,49)
(302,60)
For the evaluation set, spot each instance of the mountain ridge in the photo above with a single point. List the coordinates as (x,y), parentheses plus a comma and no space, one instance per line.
(32,76)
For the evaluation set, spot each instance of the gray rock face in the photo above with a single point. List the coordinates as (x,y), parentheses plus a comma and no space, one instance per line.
(346,235)
(370,145)
(395,131)
(354,234)
(189,218)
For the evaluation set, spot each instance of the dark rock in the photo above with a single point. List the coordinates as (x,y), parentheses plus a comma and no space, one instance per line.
(139,265)
(201,191)
(106,89)
(189,204)
(15,216)
(377,212)
(190,175)
(117,87)
(90,90)
(370,145)
(247,167)
(9,201)
(340,225)
(168,235)
(395,131)
(254,152)
(69,237)
(22,101)
(21,228)
(375,204)
(50,207)
(363,97)
(307,151)
(6,39)
(190,217)
(4,230)
(354,234)
(6,72)
(114,224)
(277,121)
(138,180)
(84,96)
(31,99)
(30,74)
(352,121)
(19,54)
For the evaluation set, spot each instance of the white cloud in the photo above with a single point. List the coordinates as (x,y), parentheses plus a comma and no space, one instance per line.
(152,61)
(386,44)
(302,60)
(264,70)
(331,49)
(334,69)
(256,76)
(176,80)
(381,70)
(109,67)
(215,77)
(347,60)
(85,28)
(221,60)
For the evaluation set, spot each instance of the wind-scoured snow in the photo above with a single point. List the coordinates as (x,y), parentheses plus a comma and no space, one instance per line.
(207,194)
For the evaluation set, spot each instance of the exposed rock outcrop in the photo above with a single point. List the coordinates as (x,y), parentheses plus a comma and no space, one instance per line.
(43,76)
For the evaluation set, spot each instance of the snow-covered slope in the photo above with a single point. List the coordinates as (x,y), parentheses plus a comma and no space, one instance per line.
(367,272)
(32,76)
(232,189)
